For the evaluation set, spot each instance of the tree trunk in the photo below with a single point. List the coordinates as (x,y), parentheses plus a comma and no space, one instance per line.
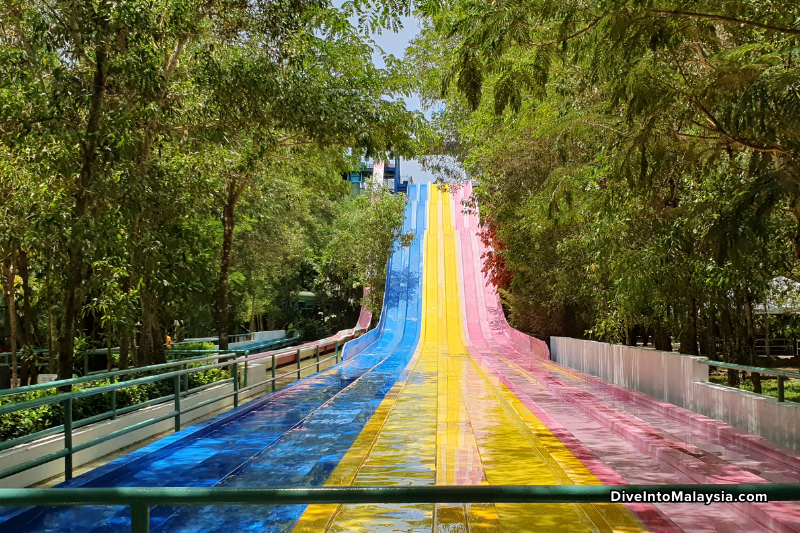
(795,236)
(728,344)
(52,357)
(134,350)
(51,333)
(228,225)
(12,314)
(766,330)
(144,349)
(123,350)
(751,332)
(751,340)
(62,333)
(73,288)
(662,339)
(71,308)
(159,336)
(30,314)
(657,337)
(712,337)
(147,342)
(691,335)
(253,313)
(25,367)
(30,319)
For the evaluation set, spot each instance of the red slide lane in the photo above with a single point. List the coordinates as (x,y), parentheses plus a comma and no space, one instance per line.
(623,436)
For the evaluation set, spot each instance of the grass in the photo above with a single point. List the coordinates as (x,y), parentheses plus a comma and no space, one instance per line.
(768,387)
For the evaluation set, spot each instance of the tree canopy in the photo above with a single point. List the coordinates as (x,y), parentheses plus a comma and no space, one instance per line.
(636,162)
(178,160)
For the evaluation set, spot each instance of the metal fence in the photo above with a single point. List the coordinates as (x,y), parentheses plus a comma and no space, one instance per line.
(780,374)
(180,384)
(83,358)
(140,500)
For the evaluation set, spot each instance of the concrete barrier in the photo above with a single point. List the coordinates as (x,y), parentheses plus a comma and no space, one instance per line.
(258,336)
(683,381)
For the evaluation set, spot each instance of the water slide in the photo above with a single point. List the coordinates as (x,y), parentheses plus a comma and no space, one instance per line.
(444,392)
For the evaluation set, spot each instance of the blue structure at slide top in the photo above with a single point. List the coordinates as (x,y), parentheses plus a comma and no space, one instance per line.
(391,175)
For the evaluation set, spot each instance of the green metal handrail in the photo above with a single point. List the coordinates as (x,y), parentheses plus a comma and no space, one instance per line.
(141,499)
(84,354)
(780,374)
(235,358)
(114,373)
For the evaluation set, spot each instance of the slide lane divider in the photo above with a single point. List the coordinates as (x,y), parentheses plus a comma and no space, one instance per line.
(319,455)
(555,457)
(319,517)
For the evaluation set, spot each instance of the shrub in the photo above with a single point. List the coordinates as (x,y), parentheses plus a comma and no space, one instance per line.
(21,423)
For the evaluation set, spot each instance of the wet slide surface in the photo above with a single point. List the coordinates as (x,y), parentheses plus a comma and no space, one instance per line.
(444,392)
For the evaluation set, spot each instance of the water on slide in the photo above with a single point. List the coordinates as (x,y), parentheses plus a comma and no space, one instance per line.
(442,392)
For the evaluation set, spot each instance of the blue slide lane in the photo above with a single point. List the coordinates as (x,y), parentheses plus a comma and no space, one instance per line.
(295,436)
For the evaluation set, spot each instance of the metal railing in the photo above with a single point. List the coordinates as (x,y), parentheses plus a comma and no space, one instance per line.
(776,347)
(83,356)
(780,374)
(180,386)
(140,500)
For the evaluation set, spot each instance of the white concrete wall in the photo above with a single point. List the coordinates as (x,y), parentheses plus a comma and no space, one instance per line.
(259,336)
(26,452)
(681,380)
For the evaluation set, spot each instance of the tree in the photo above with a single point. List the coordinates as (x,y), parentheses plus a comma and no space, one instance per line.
(636,159)
(365,235)
(139,129)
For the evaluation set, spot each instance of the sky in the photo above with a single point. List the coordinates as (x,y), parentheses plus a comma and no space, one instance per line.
(396,44)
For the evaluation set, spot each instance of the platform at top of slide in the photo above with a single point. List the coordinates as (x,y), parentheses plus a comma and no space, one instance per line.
(442,392)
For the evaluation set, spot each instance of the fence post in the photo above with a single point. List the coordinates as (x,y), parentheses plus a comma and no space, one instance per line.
(781,396)
(336,353)
(140,518)
(186,380)
(85,363)
(273,372)
(177,384)
(298,364)
(246,355)
(66,406)
(113,399)
(235,376)
(317,357)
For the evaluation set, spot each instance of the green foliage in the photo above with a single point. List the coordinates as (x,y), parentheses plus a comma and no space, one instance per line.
(365,234)
(192,346)
(637,159)
(791,390)
(181,161)
(25,422)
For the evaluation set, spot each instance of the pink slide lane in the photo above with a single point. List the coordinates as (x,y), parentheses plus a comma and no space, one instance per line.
(623,436)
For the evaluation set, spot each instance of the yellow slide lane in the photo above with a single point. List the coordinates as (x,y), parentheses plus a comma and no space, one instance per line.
(450,423)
